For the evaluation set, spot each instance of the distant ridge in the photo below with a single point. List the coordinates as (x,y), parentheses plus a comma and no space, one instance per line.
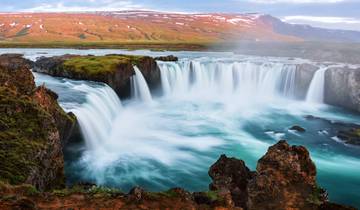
(150,26)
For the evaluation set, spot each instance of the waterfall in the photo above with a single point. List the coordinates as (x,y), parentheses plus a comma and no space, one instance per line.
(97,114)
(227,79)
(139,88)
(315,93)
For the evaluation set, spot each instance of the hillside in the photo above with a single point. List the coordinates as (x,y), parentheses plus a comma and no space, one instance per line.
(155,27)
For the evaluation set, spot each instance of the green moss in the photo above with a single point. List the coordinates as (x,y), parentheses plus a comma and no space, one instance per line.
(315,196)
(98,65)
(212,195)
(24,129)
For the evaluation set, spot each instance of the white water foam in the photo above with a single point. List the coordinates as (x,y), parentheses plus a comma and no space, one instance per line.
(139,88)
(315,93)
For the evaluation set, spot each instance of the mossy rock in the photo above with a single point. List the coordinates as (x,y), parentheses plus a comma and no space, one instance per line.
(24,129)
(98,65)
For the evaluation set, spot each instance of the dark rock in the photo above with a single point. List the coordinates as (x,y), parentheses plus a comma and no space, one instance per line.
(297,128)
(25,204)
(169,58)
(334,206)
(137,193)
(286,179)
(230,174)
(202,198)
(351,136)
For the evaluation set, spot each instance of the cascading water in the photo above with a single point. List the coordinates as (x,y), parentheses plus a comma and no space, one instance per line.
(223,79)
(139,88)
(173,142)
(97,114)
(315,92)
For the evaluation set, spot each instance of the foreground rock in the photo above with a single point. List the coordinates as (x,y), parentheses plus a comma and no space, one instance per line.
(285,178)
(33,128)
(114,70)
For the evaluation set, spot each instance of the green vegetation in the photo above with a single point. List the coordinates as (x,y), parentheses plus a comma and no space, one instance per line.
(131,45)
(316,196)
(82,36)
(98,65)
(22,32)
(212,195)
(97,191)
(24,129)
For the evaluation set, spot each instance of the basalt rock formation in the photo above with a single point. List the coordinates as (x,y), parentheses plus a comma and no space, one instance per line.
(169,58)
(342,87)
(285,178)
(33,128)
(114,70)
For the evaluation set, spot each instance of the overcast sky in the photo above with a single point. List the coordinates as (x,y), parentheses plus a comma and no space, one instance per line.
(342,14)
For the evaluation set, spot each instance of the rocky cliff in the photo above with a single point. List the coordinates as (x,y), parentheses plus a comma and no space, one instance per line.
(285,178)
(114,70)
(342,87)
(33,128)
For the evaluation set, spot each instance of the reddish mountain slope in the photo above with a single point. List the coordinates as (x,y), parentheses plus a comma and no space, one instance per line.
(136,26)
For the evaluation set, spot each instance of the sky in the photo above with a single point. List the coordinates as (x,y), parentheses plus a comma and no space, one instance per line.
(336,14)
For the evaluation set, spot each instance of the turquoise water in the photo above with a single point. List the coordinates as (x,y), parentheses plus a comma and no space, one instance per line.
(173,141)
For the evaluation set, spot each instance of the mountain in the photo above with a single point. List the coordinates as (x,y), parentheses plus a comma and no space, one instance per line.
(149,26)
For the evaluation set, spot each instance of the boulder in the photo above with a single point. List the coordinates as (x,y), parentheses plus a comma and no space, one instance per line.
(297,128)
(231,175)
(286,179)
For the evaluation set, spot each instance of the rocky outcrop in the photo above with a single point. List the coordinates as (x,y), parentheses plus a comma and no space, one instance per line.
(231,176)
(342,87)
(114,70)
(32,128)
(285,178)
(169,58)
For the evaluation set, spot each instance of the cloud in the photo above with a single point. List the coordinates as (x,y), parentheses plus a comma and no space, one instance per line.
(346,23)
(344,20)
(296,1)
(83,5)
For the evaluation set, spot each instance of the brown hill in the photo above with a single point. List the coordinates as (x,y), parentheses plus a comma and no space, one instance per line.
(136,26)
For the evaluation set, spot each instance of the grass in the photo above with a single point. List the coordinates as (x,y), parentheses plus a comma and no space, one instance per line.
(131,45)
(97,191)
(98,65)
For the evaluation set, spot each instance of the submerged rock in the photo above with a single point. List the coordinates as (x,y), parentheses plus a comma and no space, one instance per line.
(351,136)
(297,128)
